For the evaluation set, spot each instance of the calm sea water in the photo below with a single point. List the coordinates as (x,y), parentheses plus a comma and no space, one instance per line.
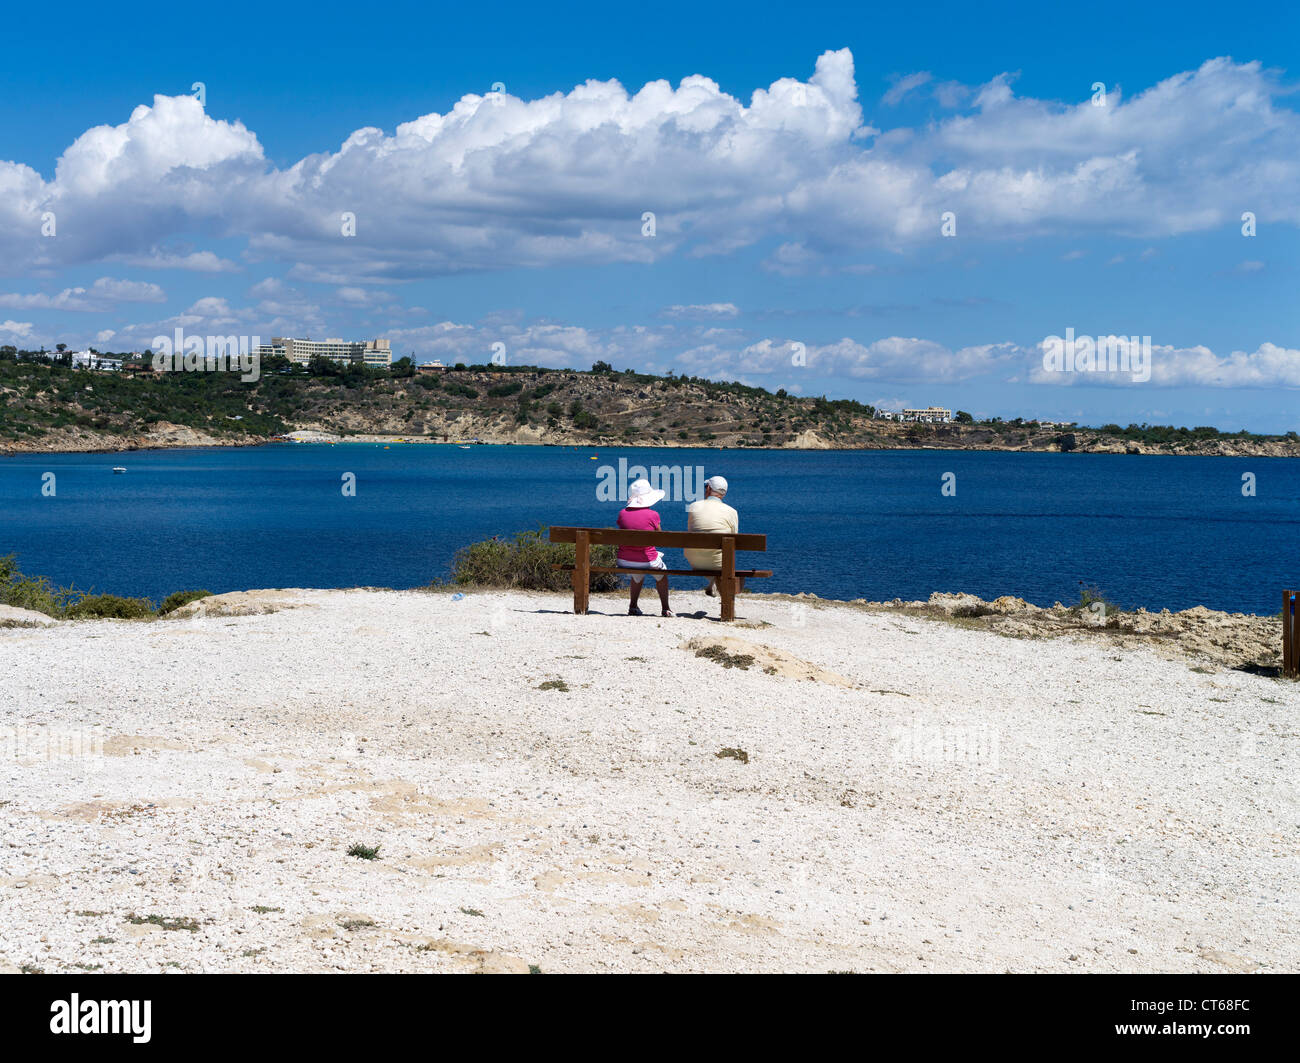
(1153,531)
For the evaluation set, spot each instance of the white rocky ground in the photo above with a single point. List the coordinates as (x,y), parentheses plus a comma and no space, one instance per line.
(932,798)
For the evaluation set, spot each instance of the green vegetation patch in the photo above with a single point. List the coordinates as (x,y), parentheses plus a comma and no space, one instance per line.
(166,922)
(110,607)
(175,600)
(720,656)
(524,563)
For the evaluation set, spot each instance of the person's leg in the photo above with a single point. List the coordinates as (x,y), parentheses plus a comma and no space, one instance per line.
(635,588)
(698,563)
(708,580)
(662,584)
(715,562)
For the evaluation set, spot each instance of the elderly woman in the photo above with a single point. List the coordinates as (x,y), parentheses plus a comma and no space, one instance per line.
(639,515)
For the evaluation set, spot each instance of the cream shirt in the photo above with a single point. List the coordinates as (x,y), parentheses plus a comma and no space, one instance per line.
(710,515)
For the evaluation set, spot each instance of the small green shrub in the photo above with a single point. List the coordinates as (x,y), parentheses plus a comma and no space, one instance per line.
(524,563)
(1093,603)
(174,601)
(68,603)
(110,607)
(29,592)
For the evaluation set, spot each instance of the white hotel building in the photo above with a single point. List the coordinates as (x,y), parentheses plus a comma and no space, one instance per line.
(89,360)
(929,415)
(370,353)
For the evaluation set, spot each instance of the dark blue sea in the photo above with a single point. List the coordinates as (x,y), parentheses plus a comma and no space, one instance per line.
(1155,531)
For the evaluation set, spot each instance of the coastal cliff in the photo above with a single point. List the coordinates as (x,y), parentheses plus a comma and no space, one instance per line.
(52,409)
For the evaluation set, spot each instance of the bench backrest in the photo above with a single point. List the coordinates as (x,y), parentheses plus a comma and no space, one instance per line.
(679,540)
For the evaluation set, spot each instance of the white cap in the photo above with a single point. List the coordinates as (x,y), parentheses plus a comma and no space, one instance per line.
(718,484)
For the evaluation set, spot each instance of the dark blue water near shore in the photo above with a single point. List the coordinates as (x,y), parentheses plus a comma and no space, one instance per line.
(1153,531)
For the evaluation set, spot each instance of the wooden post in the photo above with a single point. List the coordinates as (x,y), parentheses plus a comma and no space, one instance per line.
(581,572)
(1290,651)
(727,581)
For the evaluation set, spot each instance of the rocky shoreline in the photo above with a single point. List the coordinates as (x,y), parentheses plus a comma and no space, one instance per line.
(171,436)
(1239,641)
(163,436)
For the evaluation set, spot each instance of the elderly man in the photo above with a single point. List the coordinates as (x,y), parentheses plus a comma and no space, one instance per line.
(711,514)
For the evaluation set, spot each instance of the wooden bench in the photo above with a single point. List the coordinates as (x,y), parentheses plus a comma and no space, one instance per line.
(584,539)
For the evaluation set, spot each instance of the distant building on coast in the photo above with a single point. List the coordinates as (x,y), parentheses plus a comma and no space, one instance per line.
(370,353)
(930,415)
(430,367)
(93,360)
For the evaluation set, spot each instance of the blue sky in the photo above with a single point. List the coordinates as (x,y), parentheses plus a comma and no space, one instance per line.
(798,178)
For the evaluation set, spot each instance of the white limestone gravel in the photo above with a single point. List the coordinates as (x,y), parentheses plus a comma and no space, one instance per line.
(969,803)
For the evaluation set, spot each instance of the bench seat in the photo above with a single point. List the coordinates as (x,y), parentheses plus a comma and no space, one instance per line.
(740,573)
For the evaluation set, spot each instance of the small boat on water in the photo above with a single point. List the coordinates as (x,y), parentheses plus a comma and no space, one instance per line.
(119,468)
(465,447)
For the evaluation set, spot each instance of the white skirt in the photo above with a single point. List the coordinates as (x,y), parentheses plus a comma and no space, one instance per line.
(658,562)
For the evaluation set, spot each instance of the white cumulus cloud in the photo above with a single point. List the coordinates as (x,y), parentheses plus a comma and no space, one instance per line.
(501,182)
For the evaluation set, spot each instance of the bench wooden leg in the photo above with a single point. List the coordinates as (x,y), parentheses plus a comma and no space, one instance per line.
(727,581)
(581,573)
(1289,648)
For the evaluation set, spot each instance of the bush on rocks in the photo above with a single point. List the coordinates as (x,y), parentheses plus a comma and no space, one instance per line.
(524,563)
(110,607)
(175,600)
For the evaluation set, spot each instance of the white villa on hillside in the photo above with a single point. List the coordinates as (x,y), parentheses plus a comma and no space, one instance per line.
(90,360)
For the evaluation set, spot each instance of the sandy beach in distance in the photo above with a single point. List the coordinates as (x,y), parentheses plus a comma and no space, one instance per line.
(818,787)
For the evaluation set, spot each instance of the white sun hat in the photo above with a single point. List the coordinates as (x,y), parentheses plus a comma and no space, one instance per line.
(641,494)
(718,484)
